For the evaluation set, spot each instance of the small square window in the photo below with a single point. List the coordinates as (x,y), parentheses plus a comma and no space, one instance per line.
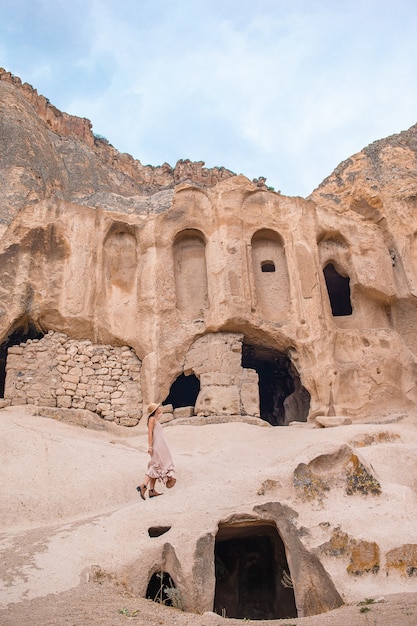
(267,266)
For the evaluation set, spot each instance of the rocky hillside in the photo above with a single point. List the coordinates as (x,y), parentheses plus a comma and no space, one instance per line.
(45,153)
(383,172)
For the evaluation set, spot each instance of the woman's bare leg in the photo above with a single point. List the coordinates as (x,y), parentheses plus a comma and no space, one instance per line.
(152,491)
(143,487)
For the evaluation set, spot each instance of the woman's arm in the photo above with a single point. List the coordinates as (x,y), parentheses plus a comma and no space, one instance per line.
(151,425)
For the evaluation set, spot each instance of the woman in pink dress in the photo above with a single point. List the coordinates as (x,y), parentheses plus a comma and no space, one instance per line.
(160,466)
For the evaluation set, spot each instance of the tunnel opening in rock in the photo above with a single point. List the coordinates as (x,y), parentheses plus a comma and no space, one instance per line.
(282,397)
(161,588)
(253,580)
(157,531)
(338,288)
(184,391)
(25,331)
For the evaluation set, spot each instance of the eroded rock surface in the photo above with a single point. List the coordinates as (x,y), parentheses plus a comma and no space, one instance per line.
(49,154)
(321,291)
(122,284)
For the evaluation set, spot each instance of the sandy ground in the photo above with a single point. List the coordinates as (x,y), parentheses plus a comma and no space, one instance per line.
(69,502)
(107,604)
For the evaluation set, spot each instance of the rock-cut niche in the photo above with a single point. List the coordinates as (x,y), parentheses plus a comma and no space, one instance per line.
(282,397)
(120,257)
(26,330)
(190,271)
(253,580)
(270,272)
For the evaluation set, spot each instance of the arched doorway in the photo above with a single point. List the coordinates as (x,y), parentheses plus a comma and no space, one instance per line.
(25,331)
(253,580)
(338,288)
(184,391)
(282,397)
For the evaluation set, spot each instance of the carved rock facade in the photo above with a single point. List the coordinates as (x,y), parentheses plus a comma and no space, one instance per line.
(122,284)
(318,294)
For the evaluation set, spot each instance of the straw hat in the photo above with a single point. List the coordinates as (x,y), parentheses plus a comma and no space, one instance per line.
(152,408)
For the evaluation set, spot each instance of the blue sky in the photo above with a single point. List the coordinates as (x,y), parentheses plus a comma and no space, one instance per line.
(285,89)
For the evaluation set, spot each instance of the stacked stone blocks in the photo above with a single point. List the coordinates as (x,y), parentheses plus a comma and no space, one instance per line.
(226,388)
(60,372)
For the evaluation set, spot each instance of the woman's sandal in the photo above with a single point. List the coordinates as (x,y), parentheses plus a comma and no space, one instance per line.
(142,490)
(153,493)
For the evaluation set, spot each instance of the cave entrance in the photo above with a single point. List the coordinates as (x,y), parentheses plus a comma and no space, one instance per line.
(184,391)
(161,588)
(282,397)
(338,288)
(252,575)
(25,331)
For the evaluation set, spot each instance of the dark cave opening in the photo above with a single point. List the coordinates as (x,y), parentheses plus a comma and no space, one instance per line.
(338,288)
(25,331)
(252,575)
(282,397)
(160,588)
(184,391)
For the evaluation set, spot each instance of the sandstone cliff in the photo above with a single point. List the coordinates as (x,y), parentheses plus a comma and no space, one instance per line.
(241,310)
(45,153)
(368,182)
(379,186)
(173,262)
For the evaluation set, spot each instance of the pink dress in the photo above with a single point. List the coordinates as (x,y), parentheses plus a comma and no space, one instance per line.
(160,465)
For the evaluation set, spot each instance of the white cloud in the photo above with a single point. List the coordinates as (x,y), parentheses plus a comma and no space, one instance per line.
(284,89)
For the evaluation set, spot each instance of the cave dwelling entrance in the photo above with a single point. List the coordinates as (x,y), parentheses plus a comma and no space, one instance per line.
(253,580)
(282,397)
(25,330)
(184,391)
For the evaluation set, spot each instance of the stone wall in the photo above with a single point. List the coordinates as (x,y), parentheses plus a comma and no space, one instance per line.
(226,388)
(68,373)
(57,371)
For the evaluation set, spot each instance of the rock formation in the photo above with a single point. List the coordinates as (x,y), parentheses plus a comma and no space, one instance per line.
(320,291)
(49,154)
(122,284)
